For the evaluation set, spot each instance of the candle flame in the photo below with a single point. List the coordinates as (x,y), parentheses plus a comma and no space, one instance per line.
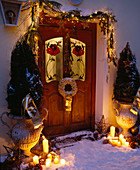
(121,137)
(126,144)
(56,159)
(62,161)
(36,159)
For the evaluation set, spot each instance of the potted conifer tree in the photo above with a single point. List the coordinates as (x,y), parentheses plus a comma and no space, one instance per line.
(24,88)
(25,77)
(125,89)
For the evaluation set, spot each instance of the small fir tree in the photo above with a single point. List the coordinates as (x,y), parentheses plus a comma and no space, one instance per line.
(128,80)
(25,77)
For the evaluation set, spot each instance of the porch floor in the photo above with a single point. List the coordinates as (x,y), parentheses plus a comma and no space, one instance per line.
(86,154)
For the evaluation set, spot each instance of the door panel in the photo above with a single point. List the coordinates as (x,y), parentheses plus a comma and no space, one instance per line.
(78,112)
(55,100)
(83,103)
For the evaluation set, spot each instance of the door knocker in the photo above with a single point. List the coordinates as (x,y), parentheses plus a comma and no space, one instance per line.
(67,88)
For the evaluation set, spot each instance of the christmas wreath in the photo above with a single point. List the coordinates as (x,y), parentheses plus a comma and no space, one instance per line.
(67,87)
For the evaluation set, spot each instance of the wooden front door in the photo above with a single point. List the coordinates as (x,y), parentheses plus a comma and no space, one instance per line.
(82,114)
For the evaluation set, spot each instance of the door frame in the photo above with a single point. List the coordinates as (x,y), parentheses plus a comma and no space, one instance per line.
(93,72)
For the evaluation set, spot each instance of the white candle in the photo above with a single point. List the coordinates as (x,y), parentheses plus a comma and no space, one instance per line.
(35,160)
(123,141)
(48,163)
(45,146)
(112,131)
(126,144)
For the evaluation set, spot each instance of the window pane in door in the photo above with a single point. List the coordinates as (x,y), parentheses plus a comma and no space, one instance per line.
(54,59)
(78,52)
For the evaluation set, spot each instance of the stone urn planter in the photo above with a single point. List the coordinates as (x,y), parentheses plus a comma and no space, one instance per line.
(23,133)
(124,117)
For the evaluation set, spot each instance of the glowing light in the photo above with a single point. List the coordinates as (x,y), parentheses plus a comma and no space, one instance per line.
(56,159)
(62,161)
(134,111)
(112,131)
(123,141)
(107,29)
(114,142)
(49,156)
(45,146)
(126,144)
(118,143)
(36,38)
(67,103)
(48,163)
(36,160)
(121,137)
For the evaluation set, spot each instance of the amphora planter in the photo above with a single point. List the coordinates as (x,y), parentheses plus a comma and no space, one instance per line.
(124,117)
(23,133)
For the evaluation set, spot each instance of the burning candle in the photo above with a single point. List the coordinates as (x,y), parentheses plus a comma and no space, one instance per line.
(56,159)
(118,143)
(48,163)
(36,160)
(126,144)
(45,146)
(112,131)
(123,141)
(62,161)
(110,141)
(114,142)
(49,156)
(121,137)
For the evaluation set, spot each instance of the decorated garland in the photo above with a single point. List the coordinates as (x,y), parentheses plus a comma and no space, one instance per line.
(106,20)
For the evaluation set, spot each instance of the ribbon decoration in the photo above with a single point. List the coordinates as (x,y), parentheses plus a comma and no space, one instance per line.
(29,107)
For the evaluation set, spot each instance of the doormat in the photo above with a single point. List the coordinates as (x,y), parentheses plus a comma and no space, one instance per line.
(71,139)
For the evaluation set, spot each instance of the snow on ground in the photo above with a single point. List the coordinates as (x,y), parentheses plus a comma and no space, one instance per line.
(94,155)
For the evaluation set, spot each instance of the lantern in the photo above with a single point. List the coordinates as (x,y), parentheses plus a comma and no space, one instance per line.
(10,11)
